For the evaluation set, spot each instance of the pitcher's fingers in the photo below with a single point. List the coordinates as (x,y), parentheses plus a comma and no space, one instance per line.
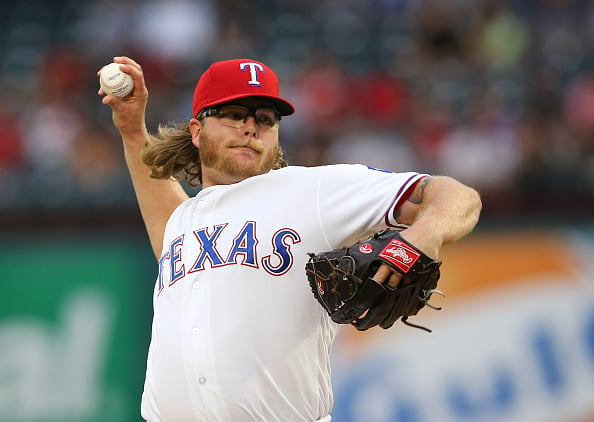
(395,280)
(386,275)
(130,66)
(382,274)
(135,71)
(108,99)
(126,60)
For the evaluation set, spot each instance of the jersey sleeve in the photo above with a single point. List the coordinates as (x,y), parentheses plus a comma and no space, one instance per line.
(356,200)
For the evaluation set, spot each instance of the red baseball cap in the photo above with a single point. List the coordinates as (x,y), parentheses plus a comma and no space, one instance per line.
(229,80)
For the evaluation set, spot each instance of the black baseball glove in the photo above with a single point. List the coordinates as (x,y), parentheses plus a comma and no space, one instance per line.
(341,280)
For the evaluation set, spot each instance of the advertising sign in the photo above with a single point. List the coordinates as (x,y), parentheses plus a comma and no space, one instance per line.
(74,324)
(514,341)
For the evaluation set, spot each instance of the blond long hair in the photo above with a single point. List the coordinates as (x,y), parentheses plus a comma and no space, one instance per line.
(171,154)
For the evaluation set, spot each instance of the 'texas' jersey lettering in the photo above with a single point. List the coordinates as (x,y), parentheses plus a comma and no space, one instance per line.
(211,254)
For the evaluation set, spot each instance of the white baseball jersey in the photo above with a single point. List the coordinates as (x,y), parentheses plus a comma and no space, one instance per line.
(237,334)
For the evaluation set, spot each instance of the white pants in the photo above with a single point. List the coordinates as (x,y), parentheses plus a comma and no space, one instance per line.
(325,419)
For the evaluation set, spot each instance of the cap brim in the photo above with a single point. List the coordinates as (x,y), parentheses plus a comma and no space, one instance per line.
(284,107)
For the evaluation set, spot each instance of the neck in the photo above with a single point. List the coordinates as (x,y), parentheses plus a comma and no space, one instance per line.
(214,178)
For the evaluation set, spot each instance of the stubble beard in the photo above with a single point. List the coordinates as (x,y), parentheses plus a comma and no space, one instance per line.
(231,166)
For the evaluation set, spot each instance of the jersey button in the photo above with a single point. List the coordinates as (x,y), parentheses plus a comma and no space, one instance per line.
(195,330)
(202,380)
(196,284)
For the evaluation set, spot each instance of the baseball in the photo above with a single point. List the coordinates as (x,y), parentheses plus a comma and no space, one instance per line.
(114,81)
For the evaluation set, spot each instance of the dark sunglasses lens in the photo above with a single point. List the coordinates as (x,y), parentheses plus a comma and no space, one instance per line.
(236,116)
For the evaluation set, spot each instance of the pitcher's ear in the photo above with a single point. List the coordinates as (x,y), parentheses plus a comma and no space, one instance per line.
(195,126)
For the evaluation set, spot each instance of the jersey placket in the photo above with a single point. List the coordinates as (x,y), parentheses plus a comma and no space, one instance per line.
(199,332)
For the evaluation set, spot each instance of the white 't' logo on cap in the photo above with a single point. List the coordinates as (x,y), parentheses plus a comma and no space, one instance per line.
(254,68)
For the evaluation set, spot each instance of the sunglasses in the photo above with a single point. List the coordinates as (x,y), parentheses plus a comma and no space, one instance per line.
(236,116)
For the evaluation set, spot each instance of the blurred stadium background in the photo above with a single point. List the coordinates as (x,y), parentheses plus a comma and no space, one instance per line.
(497,93)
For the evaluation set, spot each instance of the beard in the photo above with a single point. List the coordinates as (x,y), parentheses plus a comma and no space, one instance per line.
(231,166)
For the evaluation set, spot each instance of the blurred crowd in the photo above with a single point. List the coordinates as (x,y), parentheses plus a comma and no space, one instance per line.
(497,93)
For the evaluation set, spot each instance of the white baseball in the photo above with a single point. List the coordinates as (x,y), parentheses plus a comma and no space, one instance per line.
(114,81)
